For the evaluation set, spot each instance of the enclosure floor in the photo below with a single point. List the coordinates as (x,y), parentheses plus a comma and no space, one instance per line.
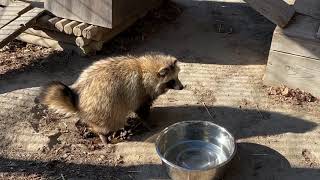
(223,48)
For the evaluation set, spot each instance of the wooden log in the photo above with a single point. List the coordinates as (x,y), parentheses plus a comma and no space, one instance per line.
(308,7)
(60,24)
(58,36)
(81,41)
(68,28)
(54,20)
(77,31)
(92,31)
(54,44)
(5,2)
(14,28)
(96,45)
(41,41)
(293,71)
(277,11)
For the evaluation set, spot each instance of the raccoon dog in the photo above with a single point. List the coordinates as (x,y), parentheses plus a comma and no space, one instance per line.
(109,89)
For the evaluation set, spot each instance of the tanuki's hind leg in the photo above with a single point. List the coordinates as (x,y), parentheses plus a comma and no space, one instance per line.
(143,113)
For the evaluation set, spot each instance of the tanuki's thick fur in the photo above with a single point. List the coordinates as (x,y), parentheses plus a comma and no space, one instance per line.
(109,89)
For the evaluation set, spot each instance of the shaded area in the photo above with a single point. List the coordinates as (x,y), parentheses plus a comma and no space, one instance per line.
(243,123)
(201,34)
(252,161)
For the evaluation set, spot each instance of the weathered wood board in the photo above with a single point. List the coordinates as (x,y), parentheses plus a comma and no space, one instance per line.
(277,11)
(298,38)
(14,28)
(293,71)
(294,57)
(104,13)
(301,26)
(5,2)
(308,7)
(11,12)
(297,46)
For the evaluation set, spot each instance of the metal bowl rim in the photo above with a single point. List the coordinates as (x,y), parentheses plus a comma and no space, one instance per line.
(195,170)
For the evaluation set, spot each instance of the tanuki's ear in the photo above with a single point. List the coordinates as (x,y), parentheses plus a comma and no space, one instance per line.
(163,71)
(175,61)
(173,64)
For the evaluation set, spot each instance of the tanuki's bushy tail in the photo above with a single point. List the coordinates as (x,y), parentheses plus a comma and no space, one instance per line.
(59,97)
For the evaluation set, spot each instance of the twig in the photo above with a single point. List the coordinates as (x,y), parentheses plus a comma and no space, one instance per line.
(261,154)
(62,177)
(262,117)
(130,176)
(134,171)
(205,106)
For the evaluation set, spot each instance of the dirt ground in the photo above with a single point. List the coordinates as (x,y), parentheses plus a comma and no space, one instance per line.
(223,47)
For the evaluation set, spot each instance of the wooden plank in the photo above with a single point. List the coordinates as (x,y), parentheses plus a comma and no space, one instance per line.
(301,26)
(308,7)
(5,2)
(293,71)
(19,25)
(104,13)
(97,12)
(277,11)
(12,11)
(294,45)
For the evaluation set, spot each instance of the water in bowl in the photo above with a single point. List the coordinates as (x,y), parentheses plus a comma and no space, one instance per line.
(195,154)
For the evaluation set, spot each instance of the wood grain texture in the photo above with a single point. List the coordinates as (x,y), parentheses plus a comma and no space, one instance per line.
(60,24)
(295,45)
(54,44)
(68,28)
(293,71)
(308,7)
(61,37)
(13,11)
(81,41)
(301,26)
(14,28)
(277,11)
(77,31)
(104,13)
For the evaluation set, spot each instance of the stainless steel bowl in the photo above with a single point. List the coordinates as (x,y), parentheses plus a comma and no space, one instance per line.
(195,150)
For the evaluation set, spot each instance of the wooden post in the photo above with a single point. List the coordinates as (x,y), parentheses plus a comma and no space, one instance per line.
(81,41)
(60,24)
(77,31)
(68,28)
